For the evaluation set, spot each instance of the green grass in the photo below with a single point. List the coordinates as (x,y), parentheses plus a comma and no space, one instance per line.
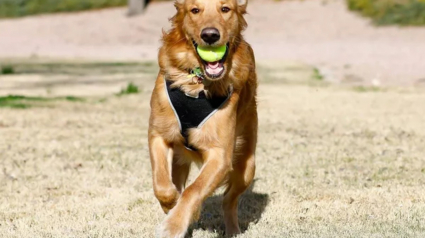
(22,102)
(7,70)
(390,12)
(18,8)
(317,75)
(55,71)
(130,89)
(78,68)
(363,89)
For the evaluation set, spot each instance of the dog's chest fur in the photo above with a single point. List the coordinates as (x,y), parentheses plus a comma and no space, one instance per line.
(191,112)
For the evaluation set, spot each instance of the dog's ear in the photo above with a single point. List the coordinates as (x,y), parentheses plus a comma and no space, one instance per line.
(178,4)
(242,5)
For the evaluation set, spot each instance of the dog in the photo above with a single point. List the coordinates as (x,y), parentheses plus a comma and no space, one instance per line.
(203,113)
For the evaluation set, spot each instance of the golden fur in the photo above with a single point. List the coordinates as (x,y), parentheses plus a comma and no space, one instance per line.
(226,142)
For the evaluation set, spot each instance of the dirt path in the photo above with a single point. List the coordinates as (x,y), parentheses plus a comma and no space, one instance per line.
(345,47)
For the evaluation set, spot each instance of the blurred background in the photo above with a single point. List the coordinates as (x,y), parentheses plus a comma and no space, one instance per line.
(366,42)
(341,107)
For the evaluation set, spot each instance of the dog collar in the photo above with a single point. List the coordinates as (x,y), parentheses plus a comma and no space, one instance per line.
(198,77)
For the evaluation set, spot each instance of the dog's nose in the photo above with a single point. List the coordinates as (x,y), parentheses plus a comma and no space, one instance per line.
(210,35)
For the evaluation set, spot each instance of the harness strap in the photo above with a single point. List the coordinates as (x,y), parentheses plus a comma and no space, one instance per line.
(192,112)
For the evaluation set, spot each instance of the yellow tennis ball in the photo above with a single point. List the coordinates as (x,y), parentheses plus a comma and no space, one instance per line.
(211,54)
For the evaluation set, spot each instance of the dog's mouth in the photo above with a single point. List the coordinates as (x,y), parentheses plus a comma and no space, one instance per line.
(213,70)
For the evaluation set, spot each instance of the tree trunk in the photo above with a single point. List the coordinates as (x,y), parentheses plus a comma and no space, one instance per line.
(136,7)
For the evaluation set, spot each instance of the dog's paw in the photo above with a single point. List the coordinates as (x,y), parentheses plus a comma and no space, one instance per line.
(170,228)
(167,198)
(232,231)
(176,223)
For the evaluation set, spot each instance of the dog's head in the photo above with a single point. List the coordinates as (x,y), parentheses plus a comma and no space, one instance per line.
(212,23)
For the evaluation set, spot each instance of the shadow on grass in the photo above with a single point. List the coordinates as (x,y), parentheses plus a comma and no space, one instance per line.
(23,102)
(88,73)
(64,83)
(77,69)
(251,207)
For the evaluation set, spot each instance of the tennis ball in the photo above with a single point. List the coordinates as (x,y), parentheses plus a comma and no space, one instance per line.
(211,54)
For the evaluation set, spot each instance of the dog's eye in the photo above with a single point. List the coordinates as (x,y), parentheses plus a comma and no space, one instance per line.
(195,10)
(225,9)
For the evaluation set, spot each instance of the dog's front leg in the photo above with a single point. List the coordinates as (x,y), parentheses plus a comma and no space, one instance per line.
(165,190)
(217,166)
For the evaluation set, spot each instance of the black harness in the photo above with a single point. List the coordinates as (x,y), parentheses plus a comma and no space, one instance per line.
(192,112)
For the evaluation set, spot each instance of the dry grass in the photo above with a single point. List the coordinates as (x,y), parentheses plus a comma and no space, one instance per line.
(331,162)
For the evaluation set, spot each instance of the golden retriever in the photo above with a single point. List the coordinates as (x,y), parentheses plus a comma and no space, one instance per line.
(204,113)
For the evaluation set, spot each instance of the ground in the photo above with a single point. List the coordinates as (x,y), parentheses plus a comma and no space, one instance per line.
(340,152)
(332,161)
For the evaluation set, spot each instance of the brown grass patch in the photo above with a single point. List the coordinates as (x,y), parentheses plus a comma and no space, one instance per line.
(330,163)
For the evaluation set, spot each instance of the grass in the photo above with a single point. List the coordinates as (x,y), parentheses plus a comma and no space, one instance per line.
(333,163)
(290,73)
(317,75)
(77,68)
(130,89)
(19,8)
(22,102)
(7,70)
(389,12)
(363,89)
(57,79)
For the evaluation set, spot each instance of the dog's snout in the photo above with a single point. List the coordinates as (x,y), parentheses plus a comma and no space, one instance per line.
(210,35)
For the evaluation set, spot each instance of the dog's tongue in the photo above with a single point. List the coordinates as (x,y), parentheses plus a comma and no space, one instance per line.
(214,67)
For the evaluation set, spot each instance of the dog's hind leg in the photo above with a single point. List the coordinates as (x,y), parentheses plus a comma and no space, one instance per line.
(180,173)
(239,180)
(161,161)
